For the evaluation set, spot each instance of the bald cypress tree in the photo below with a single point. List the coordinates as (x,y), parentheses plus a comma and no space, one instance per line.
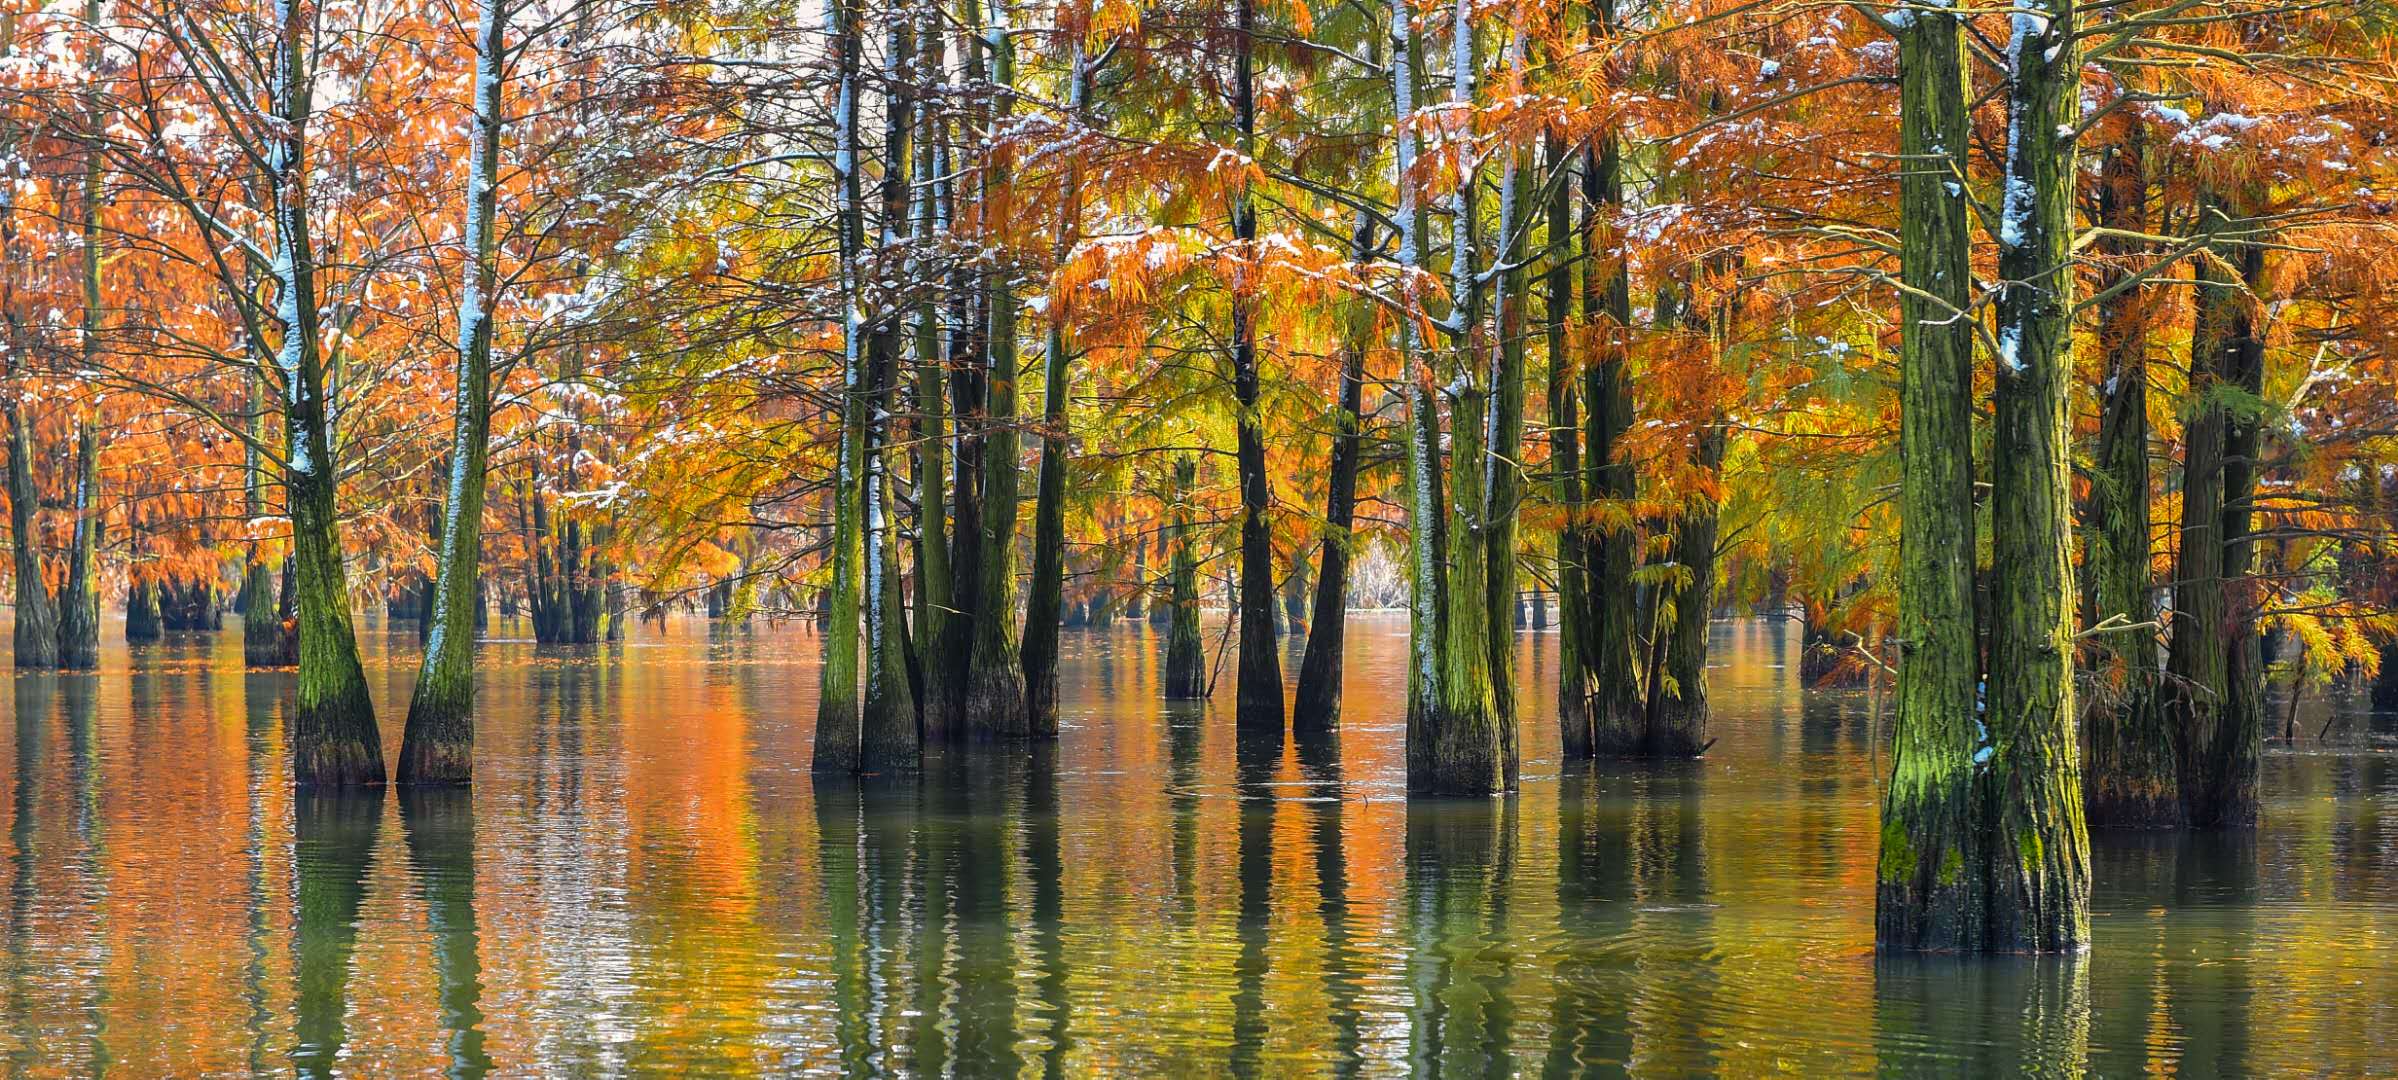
(1926,896)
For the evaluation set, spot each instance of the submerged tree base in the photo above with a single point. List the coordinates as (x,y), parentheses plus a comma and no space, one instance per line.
(439,748)
(994,704)
(334,743)
(2125,802)
(1456,752)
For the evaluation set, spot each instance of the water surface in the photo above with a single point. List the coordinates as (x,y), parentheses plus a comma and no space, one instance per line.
(645,879)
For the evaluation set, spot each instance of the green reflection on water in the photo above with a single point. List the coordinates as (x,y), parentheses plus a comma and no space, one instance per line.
(646,880)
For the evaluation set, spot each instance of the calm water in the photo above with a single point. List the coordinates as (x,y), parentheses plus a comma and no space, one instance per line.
(644,879)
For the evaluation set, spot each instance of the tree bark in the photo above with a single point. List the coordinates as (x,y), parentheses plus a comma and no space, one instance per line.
(332,734)
(994,701)
(1186,656)
(36,633)
(141,612)
(933,570)
(837,706)
(1503,438)
(2215,657)
(1457,737)
(438,743)
(889,738)
(2129,753)
(1044,606)
(1678,723)
(1316,706)
(1926,895)
(79,595)
(1618,726)
(1565,465)
(2037,849)
(1258,684)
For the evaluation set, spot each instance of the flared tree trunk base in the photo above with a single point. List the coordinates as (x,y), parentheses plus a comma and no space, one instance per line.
(994,703)
(1452,752)
(439,747)
(79,638)
(334,743)
(1618,731)
(1927,899)
(1680,730)
(837,735)
(887,741)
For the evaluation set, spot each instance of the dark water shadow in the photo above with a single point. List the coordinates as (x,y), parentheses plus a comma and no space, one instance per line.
(333,849)
(440,827)
(1460,865)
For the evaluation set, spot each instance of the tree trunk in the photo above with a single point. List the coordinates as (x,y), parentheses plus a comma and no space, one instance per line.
(1565,465)
(888,734)
(1316,707)
(889,738)
(1678,723)
(2038,852)
(2215,659)
(1618,726)
(994,703)
(838,730)
(933,571)
(1186,655)
(1503,438)
(2129,755)
(1258,686)
(1045,602)
(79,596)
(1926,895)
(1043,609)
(141,612)
(36,633)
(438,744)
(1457,737)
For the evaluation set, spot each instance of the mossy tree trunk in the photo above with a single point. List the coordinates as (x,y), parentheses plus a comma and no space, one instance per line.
(2215,656)
(2129,755)
(438,744)
(267,639)
(1457,742)
(888,735)
(332,735)
(837,724)
(1503,435)
(933,571)
(1617,724)
(889,738)
(994,703)
(1925,894)
(2037,849)
(1044,606)
(1316,706)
